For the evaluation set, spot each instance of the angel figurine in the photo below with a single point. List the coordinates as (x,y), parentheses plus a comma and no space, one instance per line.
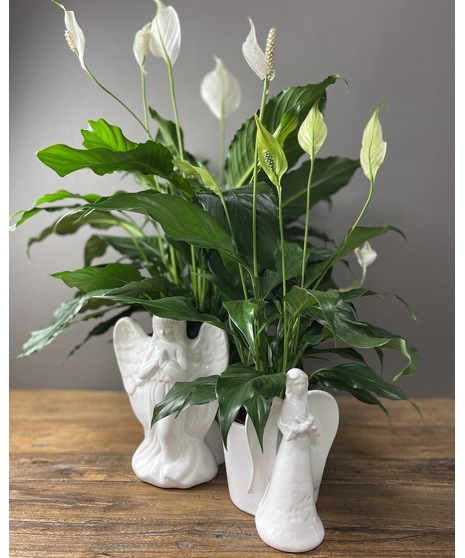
(286,518)
(177,451)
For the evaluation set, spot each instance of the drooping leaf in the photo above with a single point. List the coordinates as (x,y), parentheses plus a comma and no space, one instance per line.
(60,195)
(363,335)
(185,394)
(74,220)
(362,377)
(179,218)
(174,307)
(61,319)
(238,386)
(94,278)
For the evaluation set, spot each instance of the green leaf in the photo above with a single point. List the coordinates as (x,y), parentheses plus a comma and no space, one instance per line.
(288,124)
(145,158)
(320,305)
(71,222)
(185,394)
(240,208)
(167,133)
(61,319)
(244,315)
(293,266)
(240,386)
(172,307)
(60,195)
(363,335)
(95,278)
(348,353)
(241,154)
(361,377)
(181,219)
(102,134)
(329,176)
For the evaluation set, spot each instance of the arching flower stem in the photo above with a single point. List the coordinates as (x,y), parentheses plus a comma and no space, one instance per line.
(116,98)
(266,85)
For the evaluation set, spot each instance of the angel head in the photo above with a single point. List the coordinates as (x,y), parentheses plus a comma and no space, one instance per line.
(168,330)
(296,383)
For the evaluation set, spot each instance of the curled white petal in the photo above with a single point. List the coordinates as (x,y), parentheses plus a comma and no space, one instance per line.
(253,54)
(74,34)
(220,91)
(365,255)
(166,33)
(141,45)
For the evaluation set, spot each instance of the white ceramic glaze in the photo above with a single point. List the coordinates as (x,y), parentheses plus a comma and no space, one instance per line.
(248,468)
(178,451)
(280,485)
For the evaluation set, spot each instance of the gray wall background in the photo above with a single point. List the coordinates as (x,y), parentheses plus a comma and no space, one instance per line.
(397,51)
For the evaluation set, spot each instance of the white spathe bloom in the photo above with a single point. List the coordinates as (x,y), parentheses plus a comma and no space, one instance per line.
(166,33)
(254,55)
(365,255)
(220,91)
(74,35)
(141,45)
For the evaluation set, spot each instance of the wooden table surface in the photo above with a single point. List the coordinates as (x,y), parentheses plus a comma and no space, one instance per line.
(388,488)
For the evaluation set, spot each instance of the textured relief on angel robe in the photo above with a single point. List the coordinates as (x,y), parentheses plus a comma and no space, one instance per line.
(175,451)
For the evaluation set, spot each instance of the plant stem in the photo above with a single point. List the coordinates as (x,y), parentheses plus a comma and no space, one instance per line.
(255,174)
(283,266)
(307,220)
(144,102)
(221,169)
(175,108)
(231,230)
(367,203)
(116,98)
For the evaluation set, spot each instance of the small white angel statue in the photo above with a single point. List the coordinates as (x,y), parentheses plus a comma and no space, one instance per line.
(175,451)
(286,518)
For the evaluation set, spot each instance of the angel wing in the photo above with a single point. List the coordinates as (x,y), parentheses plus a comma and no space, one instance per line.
(131,344)
(209,355)
(324,408)
(210,351)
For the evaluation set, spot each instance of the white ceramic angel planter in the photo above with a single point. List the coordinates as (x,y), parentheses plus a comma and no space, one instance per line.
(178,451)
(280,483)
(287,518)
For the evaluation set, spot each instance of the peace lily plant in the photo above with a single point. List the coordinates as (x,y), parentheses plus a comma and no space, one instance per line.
(236,249)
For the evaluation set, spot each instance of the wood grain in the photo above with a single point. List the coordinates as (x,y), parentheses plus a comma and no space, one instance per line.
(388,489)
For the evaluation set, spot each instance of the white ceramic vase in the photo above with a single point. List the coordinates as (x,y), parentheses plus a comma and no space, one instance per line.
(280,485)
(178,451)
